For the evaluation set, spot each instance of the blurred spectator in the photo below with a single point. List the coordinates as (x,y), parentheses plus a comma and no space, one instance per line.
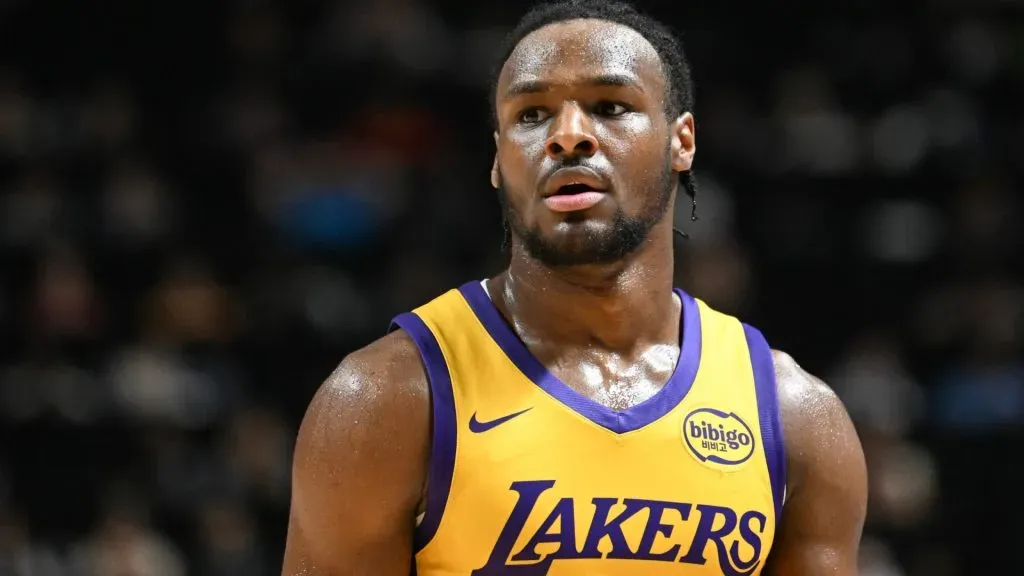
(177,374)
(876,387)
(20,555)
(984,390)
(136,207)
(229,543)
(121,546)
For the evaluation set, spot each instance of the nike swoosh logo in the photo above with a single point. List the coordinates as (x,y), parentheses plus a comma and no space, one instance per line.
(476,426)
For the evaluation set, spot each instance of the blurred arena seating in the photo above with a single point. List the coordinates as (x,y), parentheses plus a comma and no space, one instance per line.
(205,205)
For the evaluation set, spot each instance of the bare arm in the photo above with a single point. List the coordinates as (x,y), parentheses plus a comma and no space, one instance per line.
(826,499)
(360,466)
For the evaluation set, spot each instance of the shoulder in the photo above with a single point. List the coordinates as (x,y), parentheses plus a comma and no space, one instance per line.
(360,464)
(386,373)
(371,412)
(368,389)
(819,436)
(799,390)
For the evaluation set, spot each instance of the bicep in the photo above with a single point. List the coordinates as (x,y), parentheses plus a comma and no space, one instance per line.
(823,516)
(356,482)
(338,550)
(819,533)
(340,553)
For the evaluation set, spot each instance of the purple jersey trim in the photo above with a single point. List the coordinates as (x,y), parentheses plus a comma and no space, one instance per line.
(768,413)
(619,422)
(442,450)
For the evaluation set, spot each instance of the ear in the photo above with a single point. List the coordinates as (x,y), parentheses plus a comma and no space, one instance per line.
(684,145)
(495,172)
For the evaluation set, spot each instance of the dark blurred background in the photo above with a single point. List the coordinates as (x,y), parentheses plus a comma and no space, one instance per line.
(205,205)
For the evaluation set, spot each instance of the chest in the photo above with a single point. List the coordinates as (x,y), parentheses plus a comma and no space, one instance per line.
(616,381)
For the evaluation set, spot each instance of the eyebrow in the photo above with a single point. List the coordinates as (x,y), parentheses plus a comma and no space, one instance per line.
(537,86)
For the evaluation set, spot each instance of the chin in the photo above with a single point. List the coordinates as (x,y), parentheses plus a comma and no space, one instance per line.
(580,224)
(577,244)
(585,238)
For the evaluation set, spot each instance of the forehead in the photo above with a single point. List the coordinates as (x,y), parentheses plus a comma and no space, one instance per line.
(570,51)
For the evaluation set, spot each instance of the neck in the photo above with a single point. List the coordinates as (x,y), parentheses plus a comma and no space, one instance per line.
(615,306)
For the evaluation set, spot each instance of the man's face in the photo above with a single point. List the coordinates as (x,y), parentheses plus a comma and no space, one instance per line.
(586,156)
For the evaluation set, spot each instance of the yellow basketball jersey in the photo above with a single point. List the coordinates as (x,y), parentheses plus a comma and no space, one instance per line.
(529,477)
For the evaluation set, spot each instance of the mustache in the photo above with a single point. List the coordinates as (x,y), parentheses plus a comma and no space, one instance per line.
(576,162)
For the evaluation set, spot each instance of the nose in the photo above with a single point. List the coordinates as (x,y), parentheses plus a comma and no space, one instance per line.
(571,135)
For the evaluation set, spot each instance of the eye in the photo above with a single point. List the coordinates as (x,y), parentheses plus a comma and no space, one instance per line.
(610,109)
(532,116)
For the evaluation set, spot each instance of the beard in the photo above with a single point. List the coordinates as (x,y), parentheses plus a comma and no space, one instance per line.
(592,246)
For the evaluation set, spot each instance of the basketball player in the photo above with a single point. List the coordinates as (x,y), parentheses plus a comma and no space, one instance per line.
(575,415)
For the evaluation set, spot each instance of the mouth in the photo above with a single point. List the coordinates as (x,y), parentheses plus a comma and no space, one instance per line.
(573,189)
(577,180)
(574,197)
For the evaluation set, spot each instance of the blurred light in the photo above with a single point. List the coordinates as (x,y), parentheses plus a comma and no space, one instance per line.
(75,393)
(20,393)
(819,137)
(333,304)
(876,559)
(901,231)
(952,118)
(975,51)
(822,142)
(30,212)
(334,217)
(900,140)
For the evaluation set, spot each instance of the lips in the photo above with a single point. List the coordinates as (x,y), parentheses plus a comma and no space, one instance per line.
(570,181)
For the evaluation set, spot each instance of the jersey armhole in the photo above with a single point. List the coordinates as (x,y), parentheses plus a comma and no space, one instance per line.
(443,427)
(768,414)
